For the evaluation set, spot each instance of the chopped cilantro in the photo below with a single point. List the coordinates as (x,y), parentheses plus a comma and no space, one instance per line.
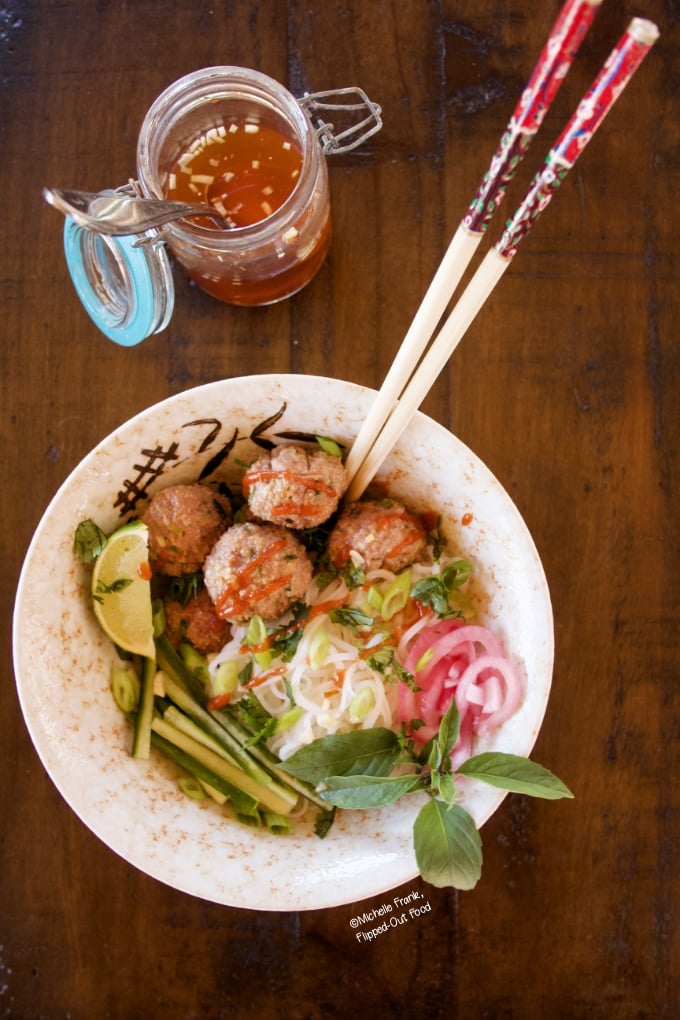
(183,589)
(434,591)
(352,618)
(283,642)
(384,661)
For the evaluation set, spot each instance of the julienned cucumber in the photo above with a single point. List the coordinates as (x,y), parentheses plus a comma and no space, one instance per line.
(263,766)
(242,802)
(267,796)
(268,759)
(184,701)
(141,741)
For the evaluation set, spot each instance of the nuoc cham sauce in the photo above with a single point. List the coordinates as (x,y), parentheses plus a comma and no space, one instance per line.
(238,140)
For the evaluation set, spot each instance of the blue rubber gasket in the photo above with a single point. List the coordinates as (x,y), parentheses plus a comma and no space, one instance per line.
(126,289)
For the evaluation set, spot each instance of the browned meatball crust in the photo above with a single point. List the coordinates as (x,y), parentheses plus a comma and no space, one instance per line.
(197,622)
(256,569)
(383,532)
(184,522)
(295,486)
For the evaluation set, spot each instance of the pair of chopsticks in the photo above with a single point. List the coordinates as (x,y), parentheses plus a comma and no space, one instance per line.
(407,382)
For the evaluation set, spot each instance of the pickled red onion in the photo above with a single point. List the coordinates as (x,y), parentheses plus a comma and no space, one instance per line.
(466,661)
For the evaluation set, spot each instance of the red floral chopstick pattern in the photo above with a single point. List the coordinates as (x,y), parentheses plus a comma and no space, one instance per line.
(556,58)
(619,68)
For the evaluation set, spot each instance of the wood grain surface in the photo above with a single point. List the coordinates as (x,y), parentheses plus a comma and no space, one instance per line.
(566,386)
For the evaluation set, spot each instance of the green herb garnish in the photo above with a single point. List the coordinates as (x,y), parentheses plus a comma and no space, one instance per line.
(435,591)
(183,589)
(437,540)
(384,661)
(350,618)
(284,641)
(110,589)
(369,768)
(89,540)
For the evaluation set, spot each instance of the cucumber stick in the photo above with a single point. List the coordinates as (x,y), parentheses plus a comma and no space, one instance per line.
(183,699)
(265,795)
(141,741)
(241,802)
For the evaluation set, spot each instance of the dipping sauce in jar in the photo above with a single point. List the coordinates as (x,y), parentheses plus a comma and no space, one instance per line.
(239,140)
(244,169)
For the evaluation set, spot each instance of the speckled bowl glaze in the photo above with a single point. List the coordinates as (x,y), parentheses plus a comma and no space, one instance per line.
(62,660)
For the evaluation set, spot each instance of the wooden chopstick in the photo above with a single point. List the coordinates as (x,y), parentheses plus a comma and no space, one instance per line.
(558,53)
(616,73)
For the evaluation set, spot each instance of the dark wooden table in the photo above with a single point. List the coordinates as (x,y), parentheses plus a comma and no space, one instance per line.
(566,386)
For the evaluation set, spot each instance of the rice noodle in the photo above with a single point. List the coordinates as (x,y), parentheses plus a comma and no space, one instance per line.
(463,660)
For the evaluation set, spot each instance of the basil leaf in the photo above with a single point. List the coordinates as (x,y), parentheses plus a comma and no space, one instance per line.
(368,791)
(372,752)
(447,845)
(514,773)
(447,789)
(88,541)
(449,729)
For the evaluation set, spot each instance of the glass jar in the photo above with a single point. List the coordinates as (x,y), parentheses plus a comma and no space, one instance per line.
(265,261)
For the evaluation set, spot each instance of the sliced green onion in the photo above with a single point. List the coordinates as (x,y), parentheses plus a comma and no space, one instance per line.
(277,824)
(374,598)
(226,677)
(318,647)
(361,704)
(216,795)
(191,787)
(424,659)
(288,719)
(125,686)
(257,631)
(256,635)
(254,820)
(396,595)
(329,446)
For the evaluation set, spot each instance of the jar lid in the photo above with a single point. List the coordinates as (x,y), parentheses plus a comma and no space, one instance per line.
(125,283)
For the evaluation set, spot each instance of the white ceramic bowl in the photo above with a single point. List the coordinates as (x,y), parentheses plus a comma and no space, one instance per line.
(62,660)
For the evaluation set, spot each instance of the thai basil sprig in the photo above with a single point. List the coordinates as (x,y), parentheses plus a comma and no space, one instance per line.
(373,767)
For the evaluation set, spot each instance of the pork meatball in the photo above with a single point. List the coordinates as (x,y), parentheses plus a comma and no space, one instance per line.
(196,621)
(256,569)
(184,522)
(294,486)
(383,532)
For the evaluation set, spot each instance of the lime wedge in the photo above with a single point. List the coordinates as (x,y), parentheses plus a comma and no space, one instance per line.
(121,590)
